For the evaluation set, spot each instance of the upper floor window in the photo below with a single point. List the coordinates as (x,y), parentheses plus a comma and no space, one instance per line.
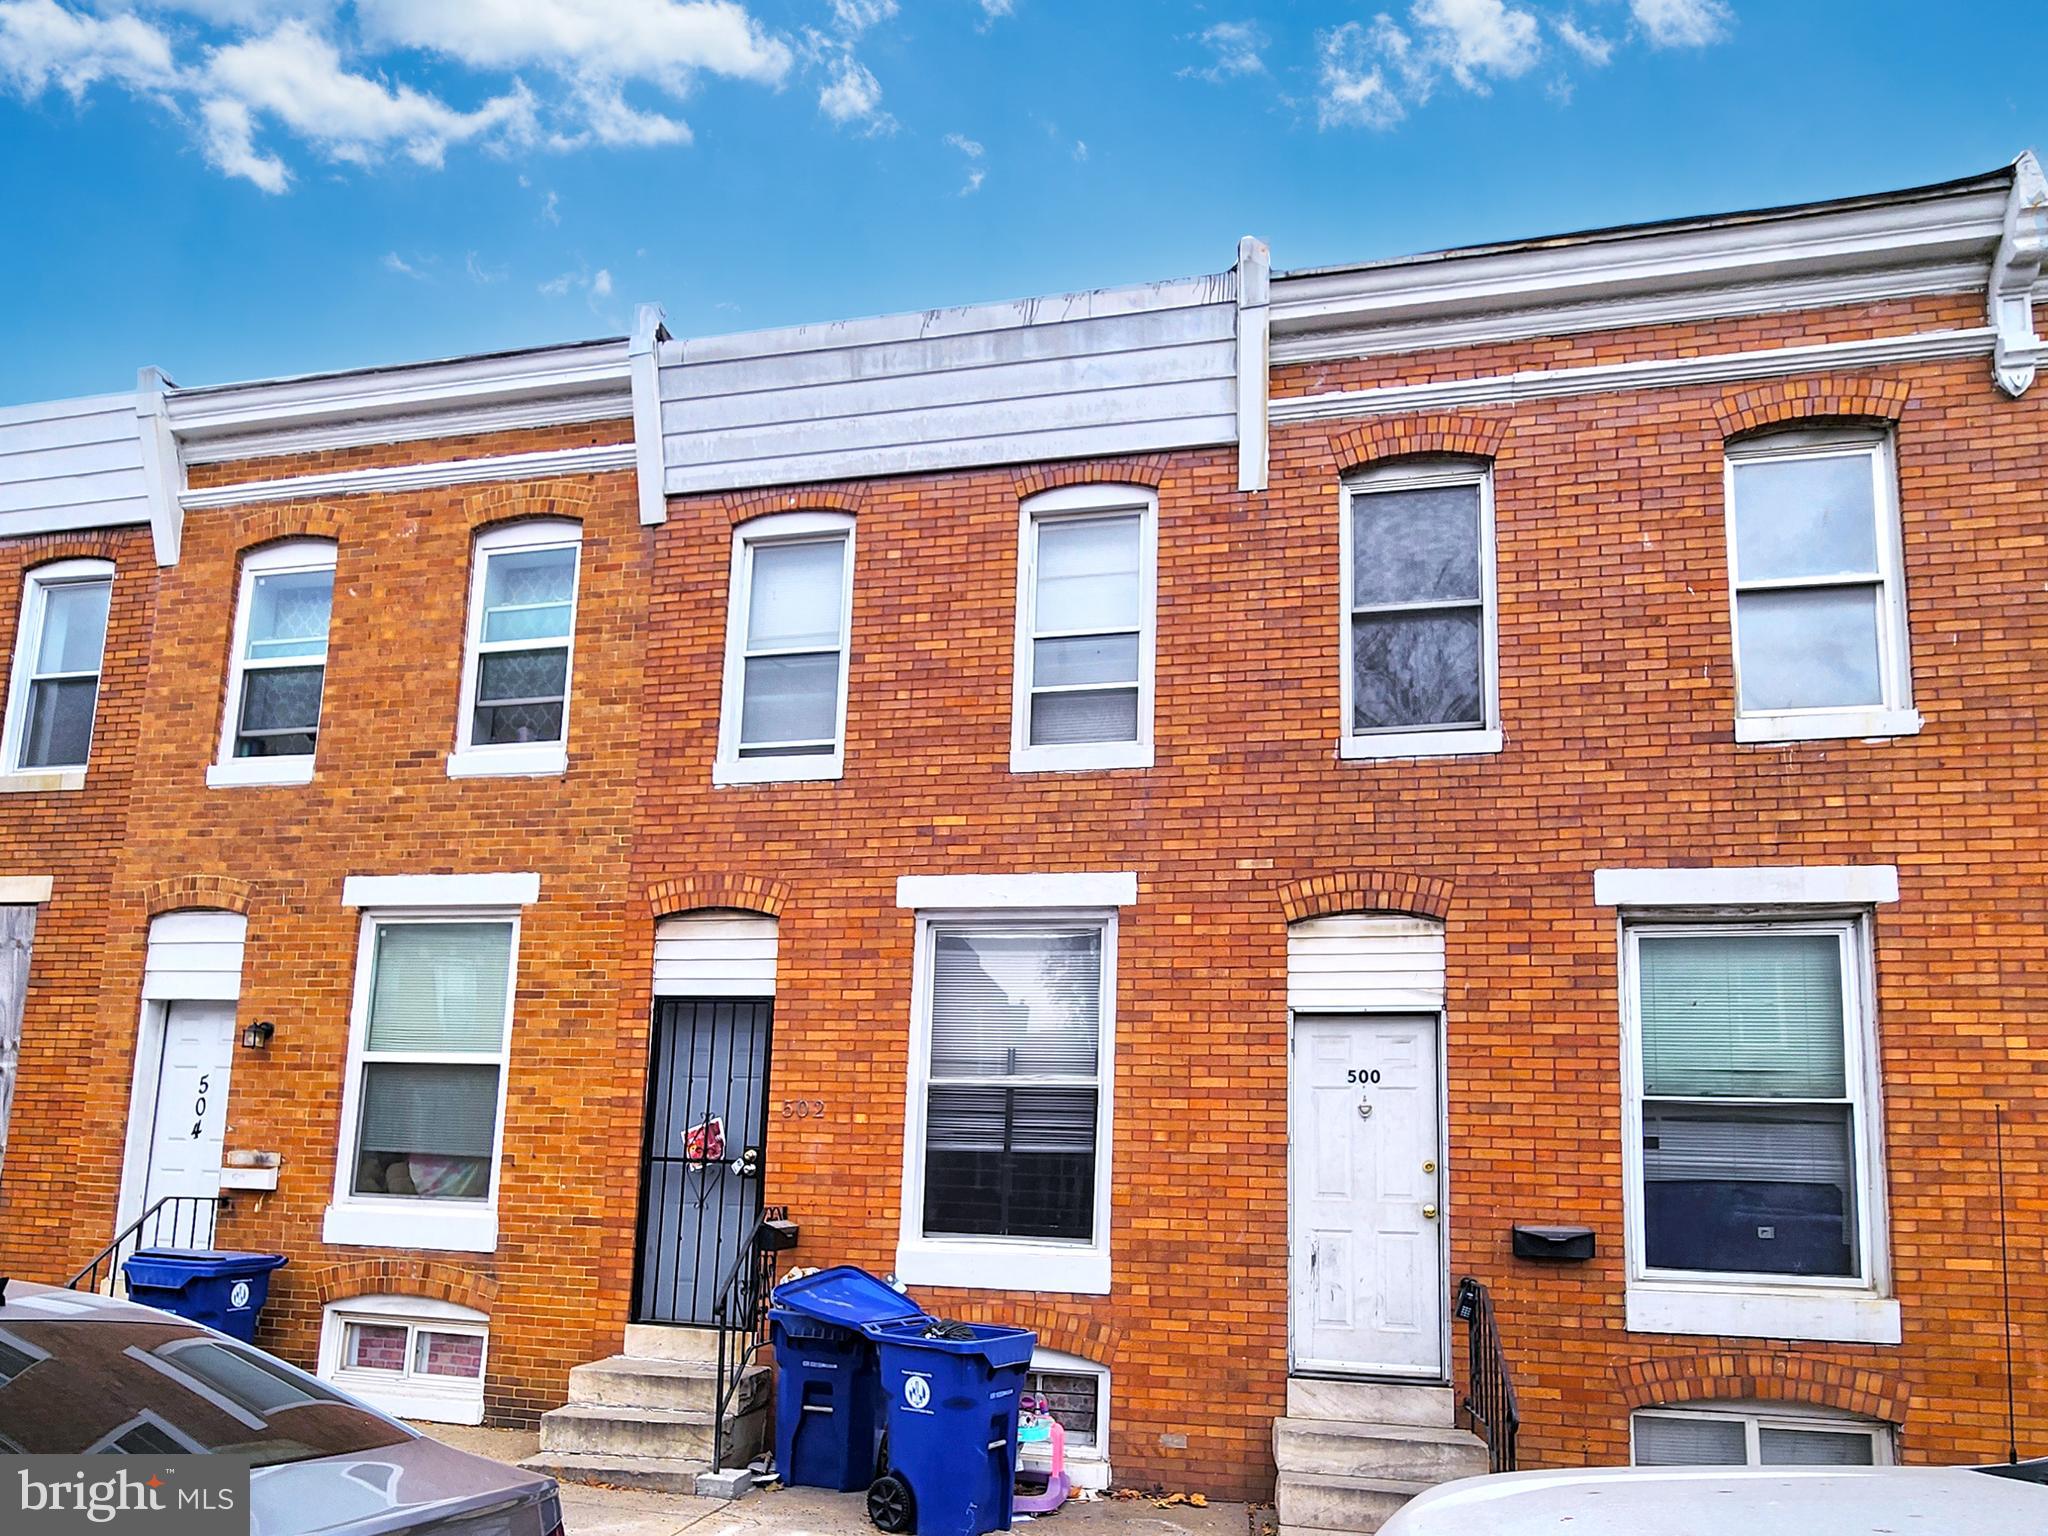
(1818,599)
(787,637)
(278,669)
(1419,625)
(1086,600)
(58,651)
(522,628)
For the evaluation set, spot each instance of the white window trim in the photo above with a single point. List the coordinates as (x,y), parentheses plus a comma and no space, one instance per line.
(996,1263)
(781,528)
(1423,741)
(1816,1307)
(471,759)
(454,1401)
(1081,502)
(1087,1465)
(990,893)
(1761,1415)
(1894,715)
(461,1226)
(287,557)
(491,890)
(27,638)
(1766,885)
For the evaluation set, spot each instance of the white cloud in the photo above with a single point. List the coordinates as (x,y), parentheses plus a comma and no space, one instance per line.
(993,11)
(393,262)
(43,45)
(229,139)
(977,173)
(1588,45)
(1682,23)
(1235,48)
(601,284)
(851,94)
(1477,38)
(607,118)
(856,16)
(1080,149)
(1351,75)
(658,40)
(551,207)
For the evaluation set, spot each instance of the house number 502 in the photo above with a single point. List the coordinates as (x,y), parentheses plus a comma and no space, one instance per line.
(803,1109)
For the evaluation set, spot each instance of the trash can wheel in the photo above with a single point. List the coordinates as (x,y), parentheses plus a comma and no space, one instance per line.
(891,1506)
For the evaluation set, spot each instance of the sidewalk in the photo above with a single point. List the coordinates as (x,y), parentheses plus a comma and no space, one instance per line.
(814,1512)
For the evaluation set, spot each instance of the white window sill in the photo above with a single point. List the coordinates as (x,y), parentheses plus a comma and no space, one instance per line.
(459,1228)
(404,1400)
(997,1265)
(1085,1467)
(260,770)
(796,769)
(1396,744)
(1081,757)
(1828,725)
(509,762)
(1836,1317)
(41,781)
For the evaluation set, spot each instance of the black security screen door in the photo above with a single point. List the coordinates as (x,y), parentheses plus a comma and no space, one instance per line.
(707,1112)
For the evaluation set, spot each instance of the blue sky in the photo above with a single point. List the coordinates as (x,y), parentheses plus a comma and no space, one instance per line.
(236,188)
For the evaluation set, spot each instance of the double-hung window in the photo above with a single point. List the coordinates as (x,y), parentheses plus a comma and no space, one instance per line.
(278,670)
(1756,1435)
(1086,600)
(56,680)
(1818,599)
(424,1102)
(522,628)
(1419,673)
(787,638)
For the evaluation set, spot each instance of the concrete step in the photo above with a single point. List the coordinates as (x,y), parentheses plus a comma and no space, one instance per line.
(672,1434)
(1370,1402)
(1404,1452)
(1313,1502)
(669,1341)
(652,1474)
(689,1386)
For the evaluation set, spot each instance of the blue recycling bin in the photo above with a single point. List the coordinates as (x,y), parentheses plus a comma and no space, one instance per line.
(828,1420)
(951,1393)
(216,1287)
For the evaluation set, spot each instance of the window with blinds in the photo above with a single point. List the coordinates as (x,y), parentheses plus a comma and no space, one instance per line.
(1750,1101)
(433,1059)
(1730,1437)
(1012,1132)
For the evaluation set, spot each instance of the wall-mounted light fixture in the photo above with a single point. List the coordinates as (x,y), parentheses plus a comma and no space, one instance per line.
(257,1035)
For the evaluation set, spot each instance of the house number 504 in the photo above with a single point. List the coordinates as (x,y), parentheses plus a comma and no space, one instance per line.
(803,1109)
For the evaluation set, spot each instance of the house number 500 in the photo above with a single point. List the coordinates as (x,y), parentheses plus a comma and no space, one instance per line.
(803,1109)
(1362,1075)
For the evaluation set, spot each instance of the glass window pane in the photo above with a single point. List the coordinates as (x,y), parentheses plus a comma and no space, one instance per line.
(1814,1448)
(1015,1004)
(1415,546)
(790,698)
(1085,659)
(1742,1015)
(527,594)
(1073,1398)
(1662,1441)
(1416,669)
(373,1347)
(794,601)
(1810,648)
(74,627)
(1758,1190)
(519,696)
(450,1354)
(57,732)
(426,1130)
(1063,719)
(280,711)
(439,986)
(288,614)
(1010,1162)
(1806,517)
(1087,574)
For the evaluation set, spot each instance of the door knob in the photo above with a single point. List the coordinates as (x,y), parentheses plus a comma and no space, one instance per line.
(1429,1211)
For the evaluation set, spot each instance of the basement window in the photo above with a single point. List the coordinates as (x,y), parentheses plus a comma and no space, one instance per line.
(410,1356)
(1757,1435)
(1075,1392)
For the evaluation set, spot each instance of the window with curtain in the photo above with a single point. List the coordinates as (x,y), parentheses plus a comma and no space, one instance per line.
(433,1057)
(1732,1437)
(1750,1100)
(62,642)
(1013,1088)
(280,661)
(522,631)
(1417,596)
(1819,621)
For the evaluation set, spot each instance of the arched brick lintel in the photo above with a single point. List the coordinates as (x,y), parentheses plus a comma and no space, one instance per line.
(47,548)
(691,893)
(287,520)
(1871,1389)
(1056,1328)
(182,893)
(517,500)
(400,1277)
(1824,397)
(1390,437)
(1148,471)
(1366,890)
(745,507)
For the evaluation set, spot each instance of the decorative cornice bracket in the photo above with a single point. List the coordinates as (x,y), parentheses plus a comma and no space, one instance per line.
(2017,350)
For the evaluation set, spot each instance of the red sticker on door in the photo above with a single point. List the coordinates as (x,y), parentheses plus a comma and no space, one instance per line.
(705,1142)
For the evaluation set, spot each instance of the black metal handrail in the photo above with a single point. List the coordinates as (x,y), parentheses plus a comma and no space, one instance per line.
(176,1221)
(1489,1387)
(739,1310)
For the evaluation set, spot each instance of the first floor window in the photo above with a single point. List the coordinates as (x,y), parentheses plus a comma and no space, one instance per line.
(1760,1435)
(1013,1128)
(279,668)
(431,1061)
(522,633)
(58,653)
(1756,1148)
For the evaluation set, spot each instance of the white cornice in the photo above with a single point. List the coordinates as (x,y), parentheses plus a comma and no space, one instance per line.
(1651,373)
(411,477)
(2009,295)
(511,416)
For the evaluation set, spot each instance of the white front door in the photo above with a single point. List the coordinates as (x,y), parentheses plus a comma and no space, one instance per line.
(190,1126)
(1365,1127)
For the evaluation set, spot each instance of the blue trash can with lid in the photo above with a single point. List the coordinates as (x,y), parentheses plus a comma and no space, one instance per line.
(217,1287)
(951,1392)
(828,1420)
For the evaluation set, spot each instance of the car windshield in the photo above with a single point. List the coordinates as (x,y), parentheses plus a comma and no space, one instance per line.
(150,1388)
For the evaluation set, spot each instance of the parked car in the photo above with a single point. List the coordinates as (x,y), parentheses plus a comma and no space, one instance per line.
(81,1373)
(1736,1501)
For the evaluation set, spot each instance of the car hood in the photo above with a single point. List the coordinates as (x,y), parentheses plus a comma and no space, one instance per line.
(416,1485)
